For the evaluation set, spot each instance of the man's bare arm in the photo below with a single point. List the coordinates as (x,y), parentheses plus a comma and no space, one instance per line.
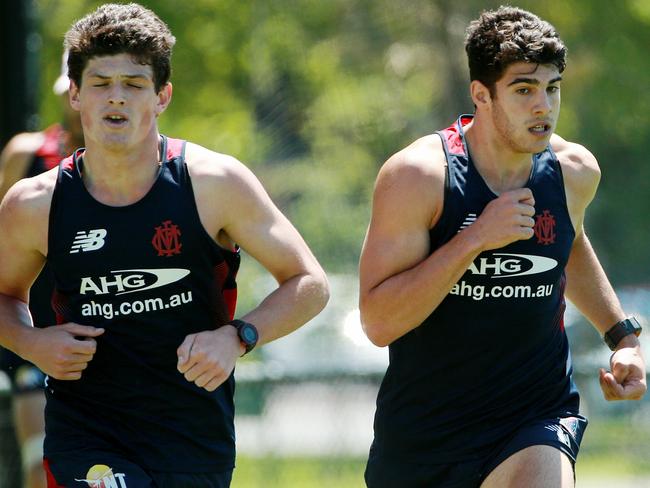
(56,350)
(235,208)
(587,284)
(400,282)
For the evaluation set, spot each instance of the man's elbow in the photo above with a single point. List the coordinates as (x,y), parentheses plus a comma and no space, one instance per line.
(324,292)
(377,334)
(375,329)
(319,292)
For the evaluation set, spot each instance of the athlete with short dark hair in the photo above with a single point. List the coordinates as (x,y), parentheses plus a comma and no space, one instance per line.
(475,239)
(28,154)
(142,233)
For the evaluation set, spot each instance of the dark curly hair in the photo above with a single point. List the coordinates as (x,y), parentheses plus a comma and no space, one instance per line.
(499,38)
(117,29)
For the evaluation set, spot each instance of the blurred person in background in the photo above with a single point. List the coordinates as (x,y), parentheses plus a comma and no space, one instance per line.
(143,234)
(25,155)
(475,238)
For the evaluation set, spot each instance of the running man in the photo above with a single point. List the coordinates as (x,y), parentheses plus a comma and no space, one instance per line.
(475,239)
(142,233)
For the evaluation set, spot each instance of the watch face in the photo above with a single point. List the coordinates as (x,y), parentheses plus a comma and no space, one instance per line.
(248,334)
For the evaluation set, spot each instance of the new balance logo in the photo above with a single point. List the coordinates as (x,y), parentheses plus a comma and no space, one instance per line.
(469,220)
(88,241)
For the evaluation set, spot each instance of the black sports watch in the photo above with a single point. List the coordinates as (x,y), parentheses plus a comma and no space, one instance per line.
(621,329)
(247,333)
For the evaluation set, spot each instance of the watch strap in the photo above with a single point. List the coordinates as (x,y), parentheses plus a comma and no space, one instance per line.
(621,329)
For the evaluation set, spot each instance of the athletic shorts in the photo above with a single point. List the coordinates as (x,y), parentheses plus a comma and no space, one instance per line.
(23,375)
(97,469)
(563,433)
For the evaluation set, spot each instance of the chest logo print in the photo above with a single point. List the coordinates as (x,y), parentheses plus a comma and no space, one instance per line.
(88,241)
(544,228)
(166,239)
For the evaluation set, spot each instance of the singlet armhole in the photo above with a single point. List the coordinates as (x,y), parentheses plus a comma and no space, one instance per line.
(558,165)
(54,204)
(192,196)
(446,191)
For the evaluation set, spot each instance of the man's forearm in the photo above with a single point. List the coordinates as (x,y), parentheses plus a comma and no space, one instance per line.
(291,305)
(15,321)
(402,302)
(589,289)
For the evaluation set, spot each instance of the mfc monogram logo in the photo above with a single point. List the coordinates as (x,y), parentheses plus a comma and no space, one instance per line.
(544,228)
(165,240)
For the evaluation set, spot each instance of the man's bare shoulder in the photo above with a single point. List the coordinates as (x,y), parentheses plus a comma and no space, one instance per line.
(31,196)
(218,177)
(411,183)
(421,161)
(579,166)
(215,166)
(224,190)
(575,157)
(25,210)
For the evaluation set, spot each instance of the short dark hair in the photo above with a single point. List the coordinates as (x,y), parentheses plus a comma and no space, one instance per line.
(499,38)
(117,29)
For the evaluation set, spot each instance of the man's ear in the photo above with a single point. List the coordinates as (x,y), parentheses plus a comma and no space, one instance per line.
(164,98)
(480,93)
(73,95)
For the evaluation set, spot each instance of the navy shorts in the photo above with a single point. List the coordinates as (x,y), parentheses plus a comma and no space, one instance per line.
(563,433)
(100,469)
(23,375)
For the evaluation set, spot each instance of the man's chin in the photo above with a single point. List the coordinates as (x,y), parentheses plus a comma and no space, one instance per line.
(115,143)
(539,145)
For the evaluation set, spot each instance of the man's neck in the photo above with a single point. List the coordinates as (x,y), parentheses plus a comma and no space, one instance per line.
(502,168)
(123,176)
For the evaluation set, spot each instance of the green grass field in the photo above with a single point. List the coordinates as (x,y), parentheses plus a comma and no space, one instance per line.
(612,451)
(298,472)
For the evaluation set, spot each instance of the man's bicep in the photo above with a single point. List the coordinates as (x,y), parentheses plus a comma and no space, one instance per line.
(398,235)
(276,244)
(407,203)
(261,230)
(393,244)
(20,258)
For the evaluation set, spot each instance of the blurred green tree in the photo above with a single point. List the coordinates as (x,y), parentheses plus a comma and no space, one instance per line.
(315,95)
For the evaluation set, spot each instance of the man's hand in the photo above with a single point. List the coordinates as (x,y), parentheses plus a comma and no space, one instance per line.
(506,219)
(63,351)
(626,380)
(208,358)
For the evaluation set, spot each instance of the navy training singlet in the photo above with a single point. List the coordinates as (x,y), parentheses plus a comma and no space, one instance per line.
(494,354)
(150,275)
